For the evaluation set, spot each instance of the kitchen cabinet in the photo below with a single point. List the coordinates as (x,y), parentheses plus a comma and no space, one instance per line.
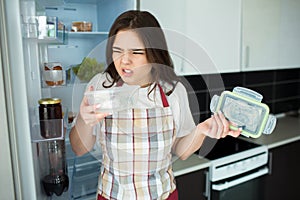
(283,181)
(171,16)
(192,185)
(237,35)
(211,28)
(215,26)
(270,36)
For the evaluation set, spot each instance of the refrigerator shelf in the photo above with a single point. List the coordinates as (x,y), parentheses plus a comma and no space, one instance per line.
(85,186)
(48,40)
(58,46)
(87,34)
(59,40)
(56,127)
(36,135)
(44,30)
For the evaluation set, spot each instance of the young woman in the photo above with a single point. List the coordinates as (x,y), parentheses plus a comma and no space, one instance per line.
(138,143)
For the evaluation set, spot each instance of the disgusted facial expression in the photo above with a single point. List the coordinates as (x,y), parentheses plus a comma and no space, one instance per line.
(130,60)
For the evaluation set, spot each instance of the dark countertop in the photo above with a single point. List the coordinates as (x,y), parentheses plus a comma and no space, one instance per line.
(287,130)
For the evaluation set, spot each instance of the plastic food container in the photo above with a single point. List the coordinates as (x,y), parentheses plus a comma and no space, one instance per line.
(53,74)
(82,26)
(244,108)
(113,99)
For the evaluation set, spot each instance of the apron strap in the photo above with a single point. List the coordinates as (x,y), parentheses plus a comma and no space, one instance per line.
(163,97)
(119,83)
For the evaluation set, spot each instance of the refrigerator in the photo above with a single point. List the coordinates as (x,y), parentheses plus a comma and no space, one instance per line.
(36,34)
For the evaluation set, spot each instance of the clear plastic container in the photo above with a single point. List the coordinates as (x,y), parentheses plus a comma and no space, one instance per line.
(48,27)
(53,74)
(113,99)
(243,107)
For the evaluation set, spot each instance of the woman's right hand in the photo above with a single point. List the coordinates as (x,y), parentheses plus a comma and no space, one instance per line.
(218,127)
(87,111)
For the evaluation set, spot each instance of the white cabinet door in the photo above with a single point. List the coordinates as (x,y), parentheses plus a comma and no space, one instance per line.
(289,44)
(171,16)
(211,30)
(260,34)
(170,13)
(216,26)
(271,30)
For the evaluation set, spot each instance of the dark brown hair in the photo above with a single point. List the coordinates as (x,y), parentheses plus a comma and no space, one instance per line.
(151,34)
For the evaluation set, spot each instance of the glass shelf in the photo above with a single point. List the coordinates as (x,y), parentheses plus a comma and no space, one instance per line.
(82,1)
(50,41)
(61,38)
(54,127)
(87,34)
(44,30)
(57,46)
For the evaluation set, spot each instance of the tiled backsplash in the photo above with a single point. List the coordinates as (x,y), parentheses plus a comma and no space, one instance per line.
(280,89)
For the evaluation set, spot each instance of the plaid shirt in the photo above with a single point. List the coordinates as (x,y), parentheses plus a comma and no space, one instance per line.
(136,147)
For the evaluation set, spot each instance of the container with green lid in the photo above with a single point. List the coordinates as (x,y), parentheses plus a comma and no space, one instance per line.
(243,107)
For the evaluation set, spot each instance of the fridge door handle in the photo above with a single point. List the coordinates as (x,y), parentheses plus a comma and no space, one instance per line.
(226,185)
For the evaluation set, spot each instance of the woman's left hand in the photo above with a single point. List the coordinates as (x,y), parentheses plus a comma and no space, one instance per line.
(217,127)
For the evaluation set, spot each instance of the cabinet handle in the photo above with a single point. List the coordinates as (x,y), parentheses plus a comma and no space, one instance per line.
(207,185)
(270,162)
(246,56)
(229,184)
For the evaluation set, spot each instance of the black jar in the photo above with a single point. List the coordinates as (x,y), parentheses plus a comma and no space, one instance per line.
(50,112)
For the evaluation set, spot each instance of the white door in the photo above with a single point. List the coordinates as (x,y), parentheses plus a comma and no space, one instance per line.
(270,34)
(212,28)
(16,168)
(7,190)
(7,183)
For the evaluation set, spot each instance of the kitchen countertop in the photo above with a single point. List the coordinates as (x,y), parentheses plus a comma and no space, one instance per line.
(193,163)
(287,130)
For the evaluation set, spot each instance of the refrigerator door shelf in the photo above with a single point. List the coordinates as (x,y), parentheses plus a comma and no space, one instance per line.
(44,29)
(85,185)
(85,173)
(59,133)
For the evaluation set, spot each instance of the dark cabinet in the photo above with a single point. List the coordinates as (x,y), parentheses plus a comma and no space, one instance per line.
(283,181)
(192,185)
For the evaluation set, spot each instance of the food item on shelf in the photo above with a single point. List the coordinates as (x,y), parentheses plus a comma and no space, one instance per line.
(82,26)
(60,25)
(53,74)
(71,117)
(87,69)
(50,114)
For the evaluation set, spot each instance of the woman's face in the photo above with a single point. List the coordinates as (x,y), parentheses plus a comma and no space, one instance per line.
(129,57)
